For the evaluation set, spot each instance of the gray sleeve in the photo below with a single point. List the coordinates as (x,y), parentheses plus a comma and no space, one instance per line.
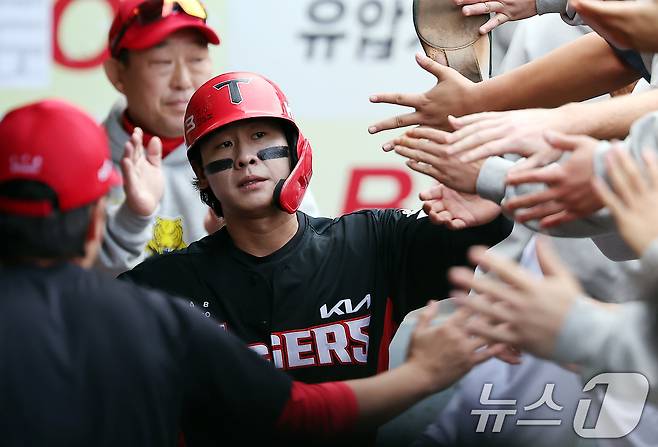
(561,7)
(126,236)
(551,6)
(643,135)
(601,340)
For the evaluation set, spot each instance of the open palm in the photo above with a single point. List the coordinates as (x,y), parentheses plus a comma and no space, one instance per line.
(143,181)
(456,210)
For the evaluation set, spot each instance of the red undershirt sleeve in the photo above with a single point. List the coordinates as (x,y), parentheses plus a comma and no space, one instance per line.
(326,409)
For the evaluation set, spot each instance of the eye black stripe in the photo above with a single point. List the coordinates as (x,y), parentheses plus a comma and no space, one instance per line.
(273,152)
(217,166)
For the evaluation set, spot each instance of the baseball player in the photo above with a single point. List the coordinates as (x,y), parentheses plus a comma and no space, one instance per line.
(320,298)
(159,57)
(87,360)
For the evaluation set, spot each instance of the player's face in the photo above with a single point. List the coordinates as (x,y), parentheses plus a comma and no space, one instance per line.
(158,82)
(243,162)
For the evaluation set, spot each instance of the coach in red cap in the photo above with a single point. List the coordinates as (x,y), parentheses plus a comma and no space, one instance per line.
(159,57)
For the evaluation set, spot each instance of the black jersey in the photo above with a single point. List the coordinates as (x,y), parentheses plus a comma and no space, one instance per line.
(326,305)
(90,361)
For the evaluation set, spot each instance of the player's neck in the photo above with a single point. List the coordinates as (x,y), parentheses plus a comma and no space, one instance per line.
(262,236)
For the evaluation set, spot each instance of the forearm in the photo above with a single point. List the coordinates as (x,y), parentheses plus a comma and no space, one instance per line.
(613,118)
(384,396)
(583,69)
(337,409)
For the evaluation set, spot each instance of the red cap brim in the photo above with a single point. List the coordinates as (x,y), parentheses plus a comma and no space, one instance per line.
(140,37)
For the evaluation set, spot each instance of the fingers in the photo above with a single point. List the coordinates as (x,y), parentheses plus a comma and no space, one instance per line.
(537,160)
(465,120)
(424,169)
(430,133)
(619,173)
(421,144)
(494,22)
(396,122)
(531,199)
(440,218)
(649,157)
(481,135)
(633,176)
(441,72)
(558,219)
(481,305)
(434,193)
(500,333)
(566,142)
(416,155)
(547,174)
(481,8)
(456,224)
(609,199)
(505,269)
(154,151)
(466,2)
(539,212)
(427,314)
(400,99)
(549,261)
(464,278)
(490,149)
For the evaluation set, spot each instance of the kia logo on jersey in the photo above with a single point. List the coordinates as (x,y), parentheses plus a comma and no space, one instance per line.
(344,307)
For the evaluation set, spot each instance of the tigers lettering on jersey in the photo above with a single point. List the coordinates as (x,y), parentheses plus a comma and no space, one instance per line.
(339,343)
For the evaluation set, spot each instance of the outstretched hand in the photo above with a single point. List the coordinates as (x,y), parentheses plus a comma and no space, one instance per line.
(444,353)
(445,206)
(481,135)
(427,155)
(569,194)
(452,95)
(519,308)
(143,180)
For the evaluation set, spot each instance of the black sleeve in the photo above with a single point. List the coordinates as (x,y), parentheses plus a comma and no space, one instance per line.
(418,254)
(167,273)
(230,392)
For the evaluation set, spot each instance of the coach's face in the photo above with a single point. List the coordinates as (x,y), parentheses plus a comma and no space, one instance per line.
(243,163)
(158,82)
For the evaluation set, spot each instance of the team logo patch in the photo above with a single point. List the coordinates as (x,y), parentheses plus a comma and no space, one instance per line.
(167,236)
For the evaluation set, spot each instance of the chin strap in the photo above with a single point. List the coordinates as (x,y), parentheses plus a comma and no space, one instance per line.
(288,193)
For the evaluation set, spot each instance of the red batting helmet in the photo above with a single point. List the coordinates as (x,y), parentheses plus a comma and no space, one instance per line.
(236,96)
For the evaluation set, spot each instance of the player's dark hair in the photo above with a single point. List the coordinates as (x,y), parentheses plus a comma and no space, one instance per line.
(61,235)
(124,56)
(206,194)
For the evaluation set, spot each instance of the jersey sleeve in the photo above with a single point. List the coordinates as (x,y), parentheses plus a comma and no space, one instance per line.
(230,392)
(417,254)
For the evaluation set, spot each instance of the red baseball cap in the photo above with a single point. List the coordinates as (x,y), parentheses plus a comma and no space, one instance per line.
(59,145)
(139,36)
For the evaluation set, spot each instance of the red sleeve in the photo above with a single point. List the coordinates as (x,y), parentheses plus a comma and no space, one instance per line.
(325,409)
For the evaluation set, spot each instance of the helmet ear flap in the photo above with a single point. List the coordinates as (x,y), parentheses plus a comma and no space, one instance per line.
(292,137)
